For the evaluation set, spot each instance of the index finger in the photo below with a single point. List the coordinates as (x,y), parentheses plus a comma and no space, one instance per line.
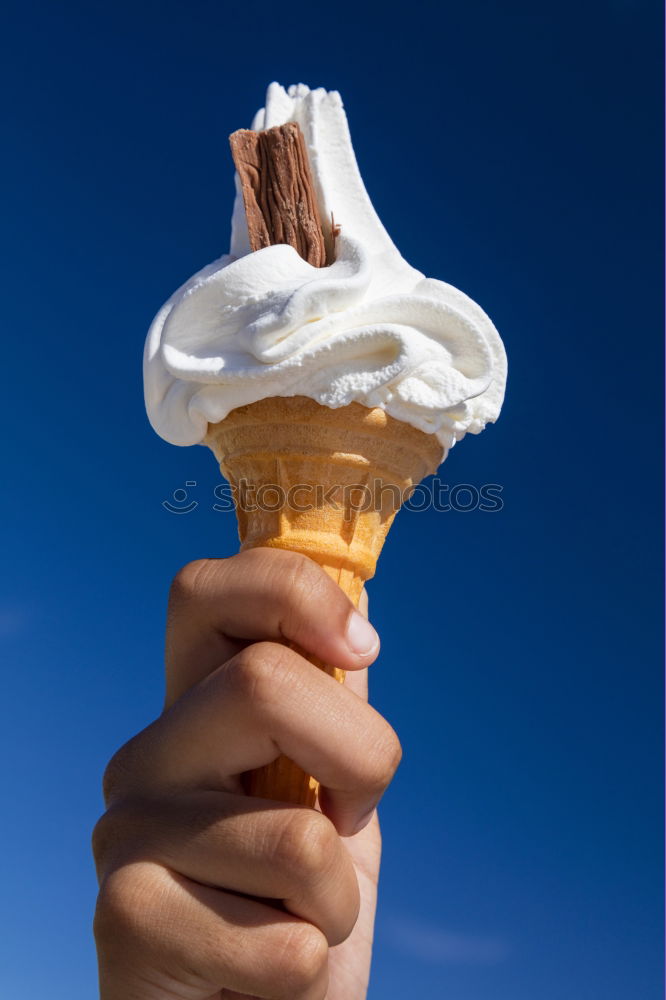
(264,702)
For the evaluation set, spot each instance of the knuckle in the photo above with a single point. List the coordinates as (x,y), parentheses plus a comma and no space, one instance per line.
(301,577)
(385,759)
(304,588)
(117,777)
(122,829)
(303,960)
(257,672)
(190,580)
(114,775)
(105,836)
(307,843)
(292,576)
(120,905)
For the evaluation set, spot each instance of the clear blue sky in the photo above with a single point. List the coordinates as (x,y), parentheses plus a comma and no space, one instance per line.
(521,657)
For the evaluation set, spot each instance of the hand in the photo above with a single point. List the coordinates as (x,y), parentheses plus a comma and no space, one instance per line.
(206,893)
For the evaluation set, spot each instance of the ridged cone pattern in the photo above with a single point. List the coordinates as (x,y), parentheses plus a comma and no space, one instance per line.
(326,483)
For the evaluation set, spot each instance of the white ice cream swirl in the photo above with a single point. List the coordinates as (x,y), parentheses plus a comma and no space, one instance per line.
(368,328)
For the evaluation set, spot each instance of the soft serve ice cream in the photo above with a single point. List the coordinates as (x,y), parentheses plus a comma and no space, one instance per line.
(368,328)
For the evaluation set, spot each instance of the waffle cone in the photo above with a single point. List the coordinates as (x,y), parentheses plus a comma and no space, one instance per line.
(324,482)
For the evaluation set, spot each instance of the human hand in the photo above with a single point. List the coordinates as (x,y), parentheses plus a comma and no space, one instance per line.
(206,893)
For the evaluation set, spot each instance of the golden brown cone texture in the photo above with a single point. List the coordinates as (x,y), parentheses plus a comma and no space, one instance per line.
(353,467)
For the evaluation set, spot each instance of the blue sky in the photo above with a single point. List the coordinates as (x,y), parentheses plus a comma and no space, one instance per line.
(521,658)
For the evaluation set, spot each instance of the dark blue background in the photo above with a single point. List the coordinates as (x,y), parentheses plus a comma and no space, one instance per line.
(521,649)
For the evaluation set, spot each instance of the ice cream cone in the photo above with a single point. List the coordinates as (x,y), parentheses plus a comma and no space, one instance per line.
(324,482)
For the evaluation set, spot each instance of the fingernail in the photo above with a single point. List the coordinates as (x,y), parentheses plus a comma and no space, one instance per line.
(361,636)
